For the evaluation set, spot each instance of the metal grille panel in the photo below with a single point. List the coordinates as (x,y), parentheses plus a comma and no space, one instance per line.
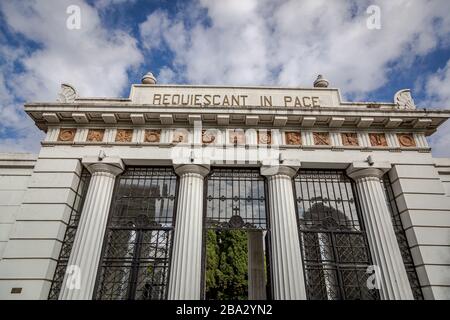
(236,199)
(137,247)
(333,240)
(69,236)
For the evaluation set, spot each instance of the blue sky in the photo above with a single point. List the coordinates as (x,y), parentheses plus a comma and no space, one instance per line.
(240,42)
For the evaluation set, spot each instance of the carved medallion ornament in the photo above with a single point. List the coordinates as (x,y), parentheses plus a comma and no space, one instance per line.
(321,138)
(406,140)
(124,135)
(264,137)
(293,138)
(378,140)
(95,135)
(180,136)
(152,136)
(208,136)
(350,139)
(67,135)
(237,137)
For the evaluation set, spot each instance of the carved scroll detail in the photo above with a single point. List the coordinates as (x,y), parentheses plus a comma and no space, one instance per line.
(404,100)
(67,94)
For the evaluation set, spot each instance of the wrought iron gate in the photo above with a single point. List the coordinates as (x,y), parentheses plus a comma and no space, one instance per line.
(333,240)
(235,201)
(137,247)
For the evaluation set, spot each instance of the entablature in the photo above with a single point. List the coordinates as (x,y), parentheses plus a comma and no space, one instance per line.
(49,114)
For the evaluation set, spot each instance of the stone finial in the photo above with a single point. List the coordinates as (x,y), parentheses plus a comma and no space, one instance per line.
(148,78)
(67,94)
(321,82)
(404,100)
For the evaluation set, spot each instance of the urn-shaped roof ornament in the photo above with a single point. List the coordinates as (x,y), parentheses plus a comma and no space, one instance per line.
(67,94)
(321,82)
(404,100)
(148,78)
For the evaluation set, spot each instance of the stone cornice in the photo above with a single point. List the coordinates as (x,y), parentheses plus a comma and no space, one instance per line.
(46,115)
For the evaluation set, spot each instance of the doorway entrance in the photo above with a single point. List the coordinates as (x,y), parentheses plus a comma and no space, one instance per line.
(236,236)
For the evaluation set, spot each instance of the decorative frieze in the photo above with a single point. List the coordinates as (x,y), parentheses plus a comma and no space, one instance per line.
(236,136)
(152,136)
(209,136)
(213,136)
(264,137)
(321,138)
(180,136)
(67,134)
(350,139)
(406,140)
(293,138)
(378,140)
(124,135)
(95,135)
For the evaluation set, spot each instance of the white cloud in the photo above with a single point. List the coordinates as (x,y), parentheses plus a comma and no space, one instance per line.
(438,94)
(102,4)
(93,59)
(290,42)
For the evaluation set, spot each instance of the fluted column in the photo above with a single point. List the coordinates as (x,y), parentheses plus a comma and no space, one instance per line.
(385,252)
(84,258)
(185,271)
(287,268)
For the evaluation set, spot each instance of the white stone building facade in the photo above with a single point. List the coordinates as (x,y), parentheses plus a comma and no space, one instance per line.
(117,203)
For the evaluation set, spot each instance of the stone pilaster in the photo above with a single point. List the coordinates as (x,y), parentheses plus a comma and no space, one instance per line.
(185,271)
(287,268)
(83,263)
(385,252)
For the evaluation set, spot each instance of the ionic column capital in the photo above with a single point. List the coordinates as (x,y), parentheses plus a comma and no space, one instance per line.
(288,168)
(109,165)
(359,170)
(182,169)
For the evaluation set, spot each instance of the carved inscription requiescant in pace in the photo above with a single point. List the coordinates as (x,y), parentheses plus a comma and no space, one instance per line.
(235,100)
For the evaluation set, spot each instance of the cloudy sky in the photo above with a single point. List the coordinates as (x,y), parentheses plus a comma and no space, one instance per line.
(248,42)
